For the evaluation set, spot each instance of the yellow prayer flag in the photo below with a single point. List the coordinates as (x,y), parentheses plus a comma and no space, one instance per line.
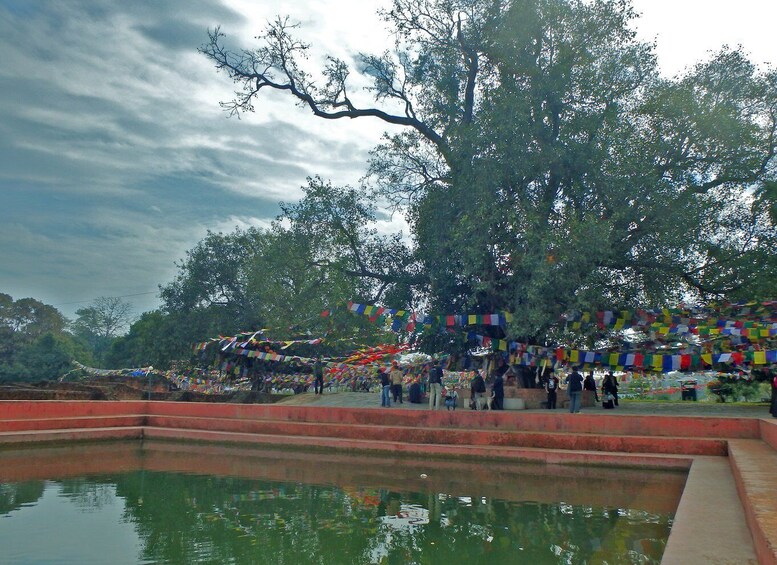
(613,359)
(658,361)
(759,357)
(574,356)
(707,358)
(472,319)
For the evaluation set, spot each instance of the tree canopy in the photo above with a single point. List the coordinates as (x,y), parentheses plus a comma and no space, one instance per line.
(34,341)
(544,163)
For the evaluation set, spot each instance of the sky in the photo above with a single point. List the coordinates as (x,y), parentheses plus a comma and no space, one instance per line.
(115,157)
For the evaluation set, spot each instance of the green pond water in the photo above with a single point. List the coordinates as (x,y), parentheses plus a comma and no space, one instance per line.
(129,502)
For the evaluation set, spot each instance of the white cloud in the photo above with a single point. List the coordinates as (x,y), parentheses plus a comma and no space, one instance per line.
(687,31)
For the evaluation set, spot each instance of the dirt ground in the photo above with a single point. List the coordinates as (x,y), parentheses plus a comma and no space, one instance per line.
(122,388)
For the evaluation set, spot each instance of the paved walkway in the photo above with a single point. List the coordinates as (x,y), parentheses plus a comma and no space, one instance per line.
(372,400)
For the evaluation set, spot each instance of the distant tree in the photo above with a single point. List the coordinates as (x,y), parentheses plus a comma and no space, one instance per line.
(33,341)
(156,338)
(101,322)
(29,318)
(47,358)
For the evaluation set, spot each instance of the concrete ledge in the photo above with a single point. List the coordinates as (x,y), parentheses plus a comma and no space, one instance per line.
(768,428)
(754,464)
(709,525)
(515,404)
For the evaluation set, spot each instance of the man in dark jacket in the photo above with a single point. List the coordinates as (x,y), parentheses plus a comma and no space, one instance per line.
(435,387)
(574,390)
(498,393)
(590,384)
(318,375)
(477,390)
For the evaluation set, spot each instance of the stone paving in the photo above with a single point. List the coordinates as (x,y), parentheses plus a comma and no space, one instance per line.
(372,400)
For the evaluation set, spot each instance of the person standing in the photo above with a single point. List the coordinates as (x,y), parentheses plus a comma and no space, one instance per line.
(385,392)
(613,386)
(609,390)
(498,393)
(773,407)
(396,382)
(551,387)
(574,384)
(414,393)
(435,387)
(318,376)
(615,394)
(477,390)
(590,384)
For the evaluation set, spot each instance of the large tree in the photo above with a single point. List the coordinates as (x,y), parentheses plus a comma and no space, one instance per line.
(544,163)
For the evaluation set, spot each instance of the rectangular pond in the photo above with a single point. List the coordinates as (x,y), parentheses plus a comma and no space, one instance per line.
(166,502)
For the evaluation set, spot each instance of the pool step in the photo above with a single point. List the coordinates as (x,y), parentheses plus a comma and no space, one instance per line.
(38,409)
(65,435)
(596,423)
(33,424)
(485,452)
(451,436)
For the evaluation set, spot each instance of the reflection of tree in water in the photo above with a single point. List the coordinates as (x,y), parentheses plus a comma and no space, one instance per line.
(88,494)
(184,518)
(15,495)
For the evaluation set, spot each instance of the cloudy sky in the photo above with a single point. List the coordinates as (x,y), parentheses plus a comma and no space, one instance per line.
(115,157)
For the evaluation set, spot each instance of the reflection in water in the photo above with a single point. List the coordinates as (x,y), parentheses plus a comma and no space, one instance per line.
(349,516)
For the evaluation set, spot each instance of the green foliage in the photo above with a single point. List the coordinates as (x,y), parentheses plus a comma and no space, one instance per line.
(154,339)
(734,388)
(29,319)
(33,342)
(47,358)
(544,164)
